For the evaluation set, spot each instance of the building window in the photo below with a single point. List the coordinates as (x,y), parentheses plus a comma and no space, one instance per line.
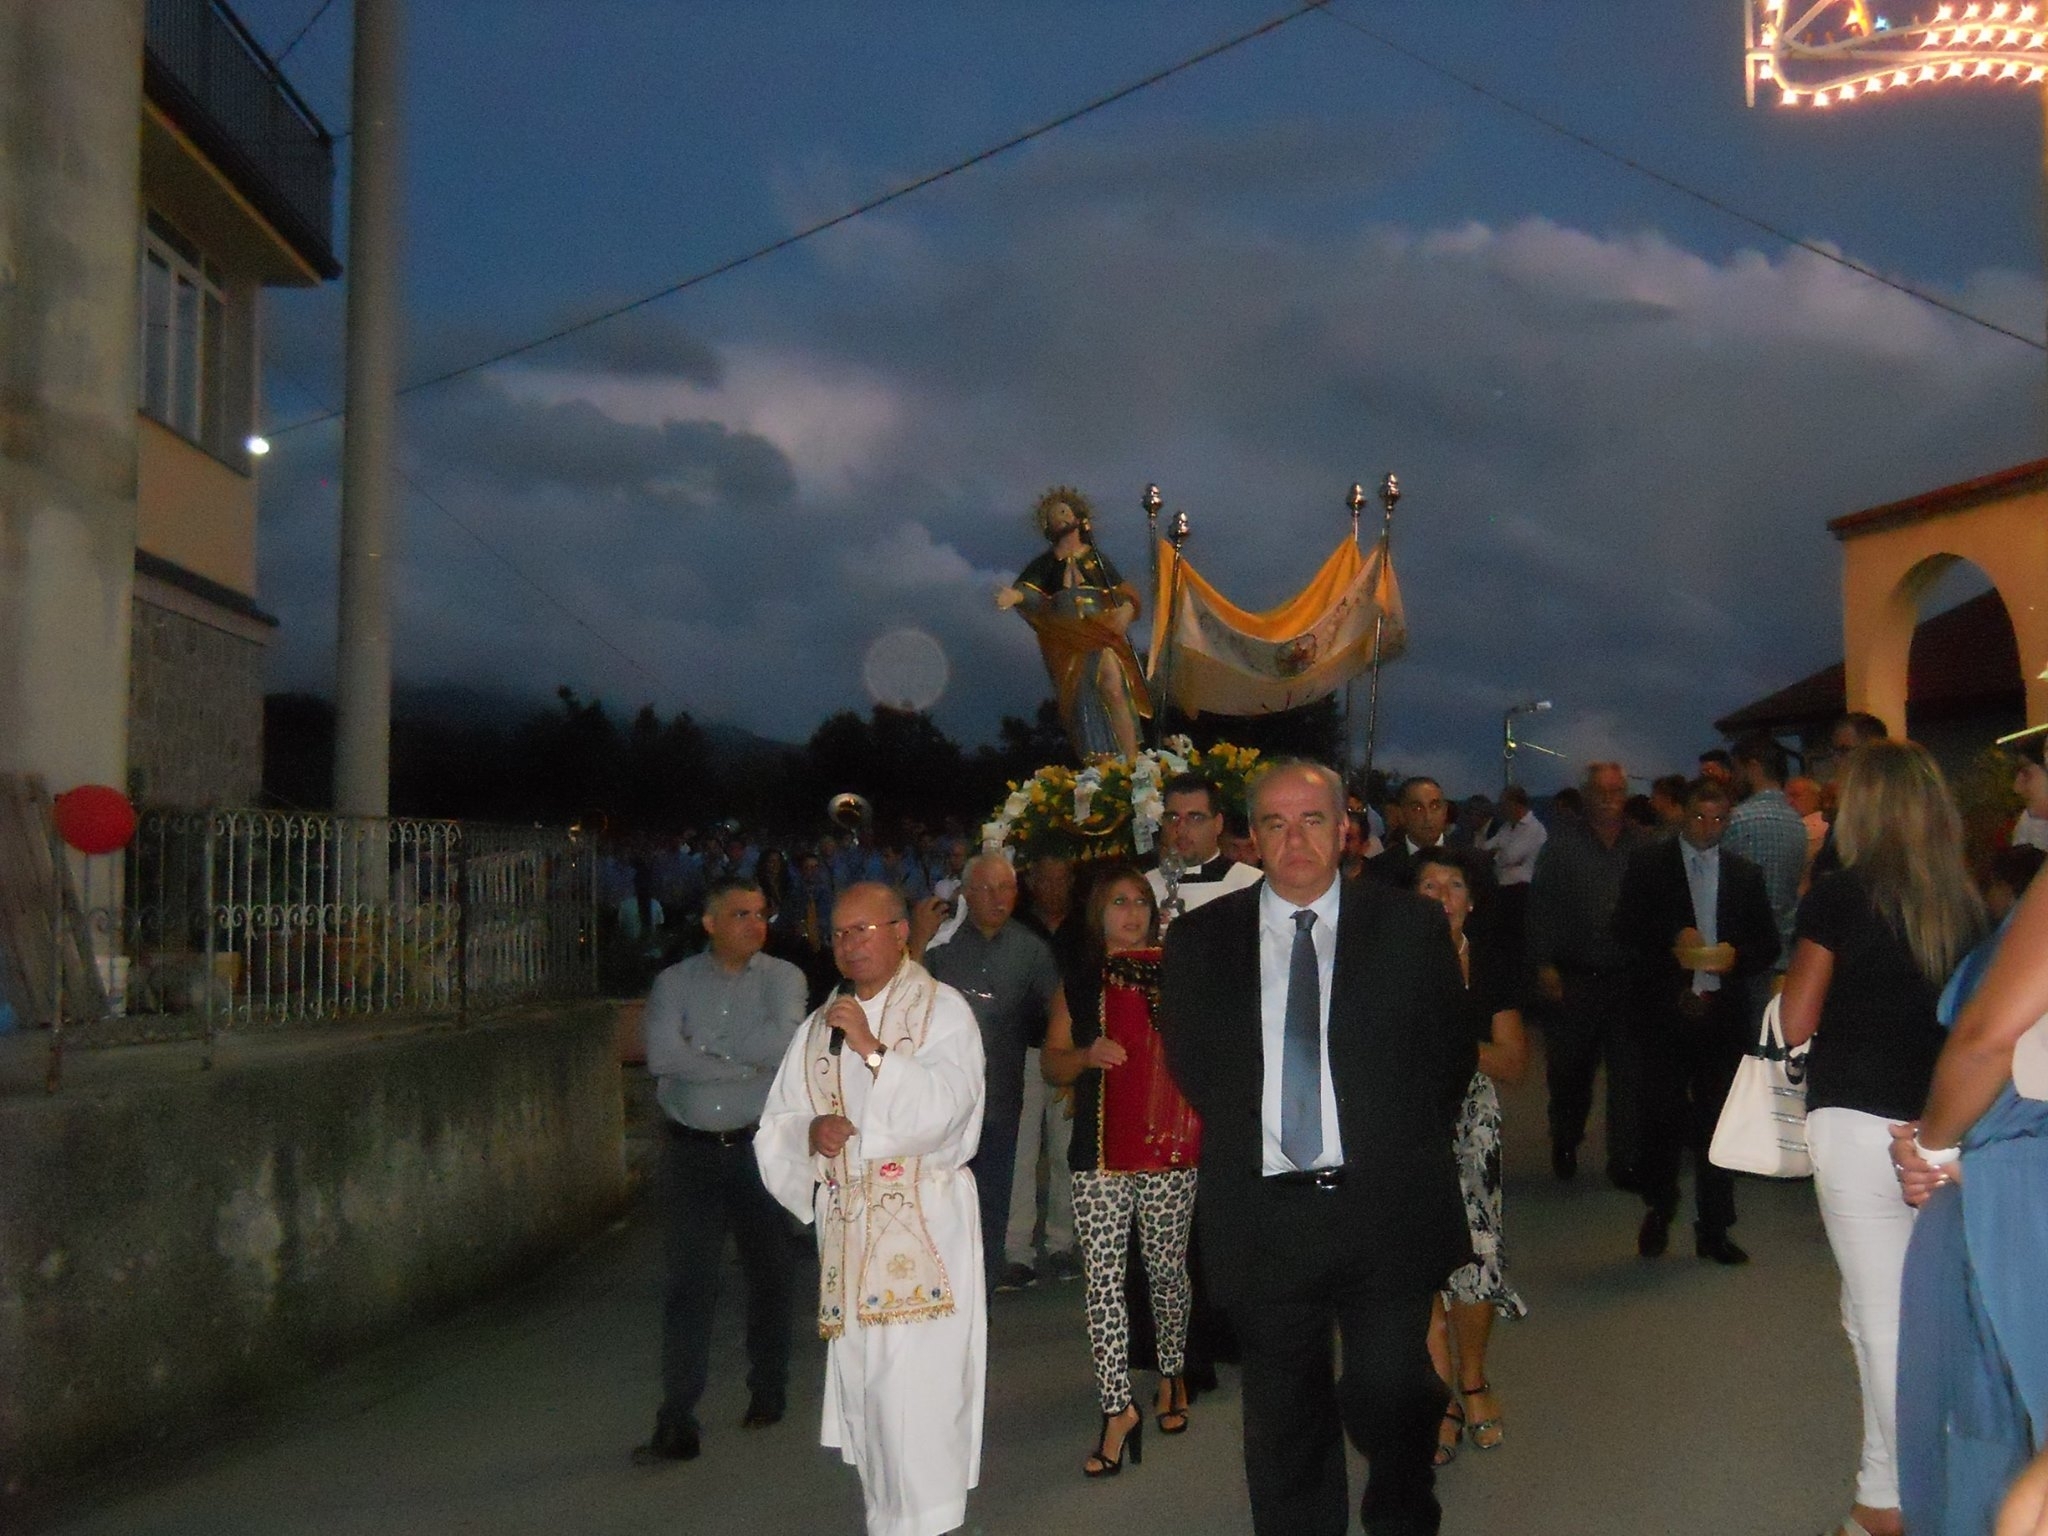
(184,342)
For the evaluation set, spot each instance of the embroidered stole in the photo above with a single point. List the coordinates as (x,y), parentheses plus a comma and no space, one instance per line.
(902,1278)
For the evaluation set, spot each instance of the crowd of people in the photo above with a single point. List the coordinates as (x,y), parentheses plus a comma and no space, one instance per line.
(1276,1057)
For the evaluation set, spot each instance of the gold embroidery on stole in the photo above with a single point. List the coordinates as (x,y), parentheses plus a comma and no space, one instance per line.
(902,1279)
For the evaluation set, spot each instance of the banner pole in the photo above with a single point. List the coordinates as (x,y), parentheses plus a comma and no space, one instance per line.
(1176,534)
(1356,502)
(1390,493)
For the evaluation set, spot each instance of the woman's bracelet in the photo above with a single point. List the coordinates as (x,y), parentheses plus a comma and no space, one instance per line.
(1939,1157)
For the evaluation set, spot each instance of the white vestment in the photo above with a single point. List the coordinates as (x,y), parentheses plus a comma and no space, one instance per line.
(903,1399)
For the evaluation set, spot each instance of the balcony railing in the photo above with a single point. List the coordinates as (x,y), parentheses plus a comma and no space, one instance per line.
(204,69)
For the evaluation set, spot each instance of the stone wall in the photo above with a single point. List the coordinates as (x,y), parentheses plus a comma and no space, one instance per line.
(195,712)
(175,1241)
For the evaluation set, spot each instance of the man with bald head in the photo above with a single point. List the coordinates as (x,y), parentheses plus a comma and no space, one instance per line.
(868,1132)
(1009,978)
(1312,1021)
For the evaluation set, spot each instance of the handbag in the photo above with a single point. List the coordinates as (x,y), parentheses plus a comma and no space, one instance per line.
(1762,1128)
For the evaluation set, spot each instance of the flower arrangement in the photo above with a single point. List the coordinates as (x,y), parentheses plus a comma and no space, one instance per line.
(1110,809)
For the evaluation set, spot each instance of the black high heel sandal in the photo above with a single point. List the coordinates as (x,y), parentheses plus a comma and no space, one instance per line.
(1132,1449)
(1173,1418)
(1447,1450)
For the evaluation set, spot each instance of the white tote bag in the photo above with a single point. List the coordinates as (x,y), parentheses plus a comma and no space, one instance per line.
(1762,1128)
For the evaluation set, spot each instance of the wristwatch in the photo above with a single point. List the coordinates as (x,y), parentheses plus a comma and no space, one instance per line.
(873,1060)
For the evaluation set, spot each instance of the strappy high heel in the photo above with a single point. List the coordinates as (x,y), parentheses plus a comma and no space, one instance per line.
(1173,1418)
(1447,1450)
(1132,1449)
(1485,1434)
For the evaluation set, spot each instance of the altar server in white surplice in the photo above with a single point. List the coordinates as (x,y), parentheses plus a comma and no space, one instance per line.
(871,1143)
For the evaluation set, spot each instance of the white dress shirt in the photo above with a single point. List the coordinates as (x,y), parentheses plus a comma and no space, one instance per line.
(1703,875)
(1276,954)
(1514,846)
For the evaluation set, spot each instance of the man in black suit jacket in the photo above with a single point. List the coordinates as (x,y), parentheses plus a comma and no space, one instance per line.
(1687,892)
(1310,1020)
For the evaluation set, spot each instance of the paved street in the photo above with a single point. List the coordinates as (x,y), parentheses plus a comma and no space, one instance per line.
(1665,1399)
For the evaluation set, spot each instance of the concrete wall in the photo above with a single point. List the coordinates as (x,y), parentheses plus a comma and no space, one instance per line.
(193,510)
(173,1241)
(70,78)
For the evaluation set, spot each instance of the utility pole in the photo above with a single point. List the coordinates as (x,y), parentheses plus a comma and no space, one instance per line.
(362,692)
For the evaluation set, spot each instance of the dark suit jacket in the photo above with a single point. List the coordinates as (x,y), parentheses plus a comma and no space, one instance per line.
(1656,904)
(1400,1057)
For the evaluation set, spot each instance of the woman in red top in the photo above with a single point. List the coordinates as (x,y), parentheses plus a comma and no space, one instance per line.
(1134,1149)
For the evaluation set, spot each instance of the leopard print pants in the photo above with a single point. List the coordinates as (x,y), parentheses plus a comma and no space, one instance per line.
(1165,1206)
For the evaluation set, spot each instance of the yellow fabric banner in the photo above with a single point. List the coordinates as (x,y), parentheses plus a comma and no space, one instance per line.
(1229,661)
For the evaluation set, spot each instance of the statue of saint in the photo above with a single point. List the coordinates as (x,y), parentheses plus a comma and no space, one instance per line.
(1080,608)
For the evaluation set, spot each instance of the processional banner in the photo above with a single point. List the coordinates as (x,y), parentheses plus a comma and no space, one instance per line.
(1217,657)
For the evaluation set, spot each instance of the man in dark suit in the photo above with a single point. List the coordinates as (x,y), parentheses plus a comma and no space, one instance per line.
(1698,921)
(1310,1020)
(1420,817)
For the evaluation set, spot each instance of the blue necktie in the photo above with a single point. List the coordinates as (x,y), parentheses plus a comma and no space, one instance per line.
(1301,1051)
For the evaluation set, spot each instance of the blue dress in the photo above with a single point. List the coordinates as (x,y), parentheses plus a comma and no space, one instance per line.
(1973,1330)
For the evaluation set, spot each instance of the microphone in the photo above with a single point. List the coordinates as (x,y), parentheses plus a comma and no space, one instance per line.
(838,1041)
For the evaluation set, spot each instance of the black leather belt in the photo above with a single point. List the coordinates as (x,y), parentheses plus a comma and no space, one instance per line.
(714,1138)
(1310,1178)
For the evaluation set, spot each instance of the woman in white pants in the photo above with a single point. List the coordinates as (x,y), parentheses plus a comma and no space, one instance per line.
(1874,942)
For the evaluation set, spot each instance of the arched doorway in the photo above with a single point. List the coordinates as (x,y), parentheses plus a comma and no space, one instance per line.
(1897,555)
(1964,684)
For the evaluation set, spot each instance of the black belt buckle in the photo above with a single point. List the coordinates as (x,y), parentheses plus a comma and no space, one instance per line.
(1308,1178)
(715,1138)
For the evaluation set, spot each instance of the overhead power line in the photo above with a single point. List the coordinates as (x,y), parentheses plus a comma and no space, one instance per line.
(300,35)
(895,194)
(1707,199)
(497,554)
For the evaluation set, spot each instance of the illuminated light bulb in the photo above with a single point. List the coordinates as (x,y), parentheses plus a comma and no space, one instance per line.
(1969,13)
(1954,69)
(2034,75)
(1769,38)
(2028,12)
(1789,99)
(1982,70)
(1903,77)
(1820,98)
(1926,71)
(2012,39)
(1998,11)
(1873,85)
(1945,13)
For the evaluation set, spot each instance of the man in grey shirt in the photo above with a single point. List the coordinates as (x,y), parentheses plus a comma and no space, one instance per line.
(1009,978)
(718,1025)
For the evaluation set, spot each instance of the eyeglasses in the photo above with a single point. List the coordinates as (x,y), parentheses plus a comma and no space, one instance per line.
(854,931)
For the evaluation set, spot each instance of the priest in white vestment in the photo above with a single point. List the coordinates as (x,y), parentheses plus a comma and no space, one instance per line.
(871,1143)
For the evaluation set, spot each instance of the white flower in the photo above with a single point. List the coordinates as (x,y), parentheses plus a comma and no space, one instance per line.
(1014,806)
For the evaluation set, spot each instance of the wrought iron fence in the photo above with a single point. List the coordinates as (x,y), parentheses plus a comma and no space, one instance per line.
(232,919)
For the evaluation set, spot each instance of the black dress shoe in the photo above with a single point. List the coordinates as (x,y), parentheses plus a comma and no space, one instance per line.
(1654,1237)
(1564,1162)
(666,1446)
(1709,1243)
(762,1412)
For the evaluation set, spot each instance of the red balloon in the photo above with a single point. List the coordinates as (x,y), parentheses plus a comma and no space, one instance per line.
(94,818)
